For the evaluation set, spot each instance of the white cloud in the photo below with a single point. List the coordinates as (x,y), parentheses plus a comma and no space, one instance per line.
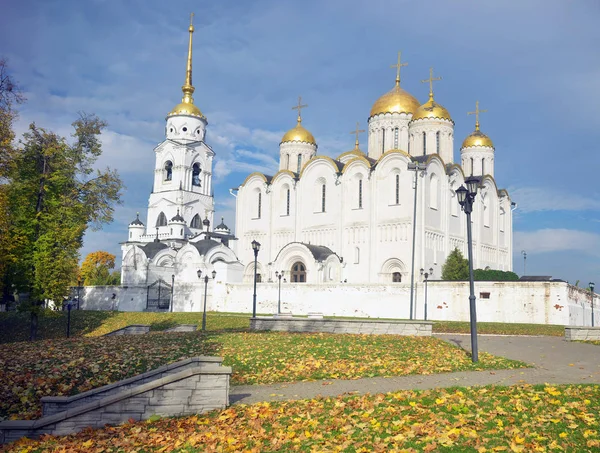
(532,199)
(556,240)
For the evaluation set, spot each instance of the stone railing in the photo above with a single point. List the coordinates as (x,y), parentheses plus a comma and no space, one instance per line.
(356,326)
(583,333)
(194,390)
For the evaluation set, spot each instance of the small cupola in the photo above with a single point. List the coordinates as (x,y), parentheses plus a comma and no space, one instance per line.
(136,229)
(177,226)
(222,228)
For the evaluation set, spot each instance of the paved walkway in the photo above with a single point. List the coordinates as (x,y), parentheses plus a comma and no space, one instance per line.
(554,361)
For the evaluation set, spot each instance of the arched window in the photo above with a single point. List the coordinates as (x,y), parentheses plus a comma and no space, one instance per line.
(162,220)
(299,162)
(453,202)
(168,170)
(472,165)
(396,277)
(382,141)
(396,138)
(424,143)
(433,191)
(287,202)
(397,189)
(298,274)
(356,255)
(323,194)
(360,194)
(437,142)
(258,278)
(259,205)
(483,166)
(196,222)
(196,175)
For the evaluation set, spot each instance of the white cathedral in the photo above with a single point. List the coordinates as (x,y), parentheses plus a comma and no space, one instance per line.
(321,219)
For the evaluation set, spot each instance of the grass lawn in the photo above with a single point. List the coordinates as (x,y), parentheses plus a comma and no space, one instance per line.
(483,419)
(499,328)
(29,371)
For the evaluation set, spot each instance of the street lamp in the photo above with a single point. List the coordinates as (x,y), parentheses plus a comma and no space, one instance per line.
(78,288)
(214,274)
(279,275)
(69,318)
(416,167)
(426,275)
(172,289)
(524,253)
(256,248)
(466,198)
(592,285)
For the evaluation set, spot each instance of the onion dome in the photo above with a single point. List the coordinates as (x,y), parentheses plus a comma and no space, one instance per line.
(137,221)
(395,101)
(187,107)
(477,138)
(178,218)
(433,110)
(222,228)
(206,222)
(299,133)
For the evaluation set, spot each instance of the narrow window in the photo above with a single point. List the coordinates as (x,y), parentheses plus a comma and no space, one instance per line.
(168,170)
(360,194)
(259,204)
(397,189)
(299,162)
(323,189)
(424,143)
(396,138)
(356,255)
(287,206)
(195,223)
(484,295)
(412,138)
(437,142)
(396,277)
(483,166)
(472,165)
(162,220)
(382,141)
(196,175)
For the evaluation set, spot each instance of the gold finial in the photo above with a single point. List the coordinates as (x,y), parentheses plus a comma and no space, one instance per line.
(299,107)
(187,87)
(357,131)
(431,79)
(476,113)
(398,66)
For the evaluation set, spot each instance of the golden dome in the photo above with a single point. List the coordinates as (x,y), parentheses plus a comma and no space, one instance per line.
(298,134)
(395,101)
(431,109)
(477,138)
(185,108)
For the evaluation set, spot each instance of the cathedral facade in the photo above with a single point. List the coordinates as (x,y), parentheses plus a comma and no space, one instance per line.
(352,218)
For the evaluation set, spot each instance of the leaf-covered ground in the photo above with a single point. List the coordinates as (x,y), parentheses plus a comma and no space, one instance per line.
(15,326)
(485,419)
(29,371)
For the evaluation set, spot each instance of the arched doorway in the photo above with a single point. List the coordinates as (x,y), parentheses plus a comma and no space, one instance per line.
(298,273)
(396,277)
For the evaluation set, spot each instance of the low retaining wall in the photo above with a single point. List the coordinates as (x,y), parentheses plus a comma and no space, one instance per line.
(191,391)
(54,404)
(374,327)
(183,328)
(575,333)
(133,329)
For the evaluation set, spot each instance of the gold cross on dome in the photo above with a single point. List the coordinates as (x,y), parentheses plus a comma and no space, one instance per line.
(357,131)
(191,18)
(398,66)
(431,79)
(299,107)
(476,113)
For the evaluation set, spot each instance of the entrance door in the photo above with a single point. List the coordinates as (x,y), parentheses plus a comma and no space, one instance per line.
(298,274)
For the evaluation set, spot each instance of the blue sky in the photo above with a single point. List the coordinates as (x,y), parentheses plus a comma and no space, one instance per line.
(533,64)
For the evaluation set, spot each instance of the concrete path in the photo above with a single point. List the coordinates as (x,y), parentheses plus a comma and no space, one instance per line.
(554,361)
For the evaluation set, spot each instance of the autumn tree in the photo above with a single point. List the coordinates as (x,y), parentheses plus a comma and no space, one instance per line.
(96,269)
(54,195)
(10,96)
(456,266)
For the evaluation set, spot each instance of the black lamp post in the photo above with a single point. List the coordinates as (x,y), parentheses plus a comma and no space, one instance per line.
(172,289)
(214,274)
(592,285)
(466,198)
(426,275)
(416,167)
(279,275)
(69,318)
(78,288)
(256,248)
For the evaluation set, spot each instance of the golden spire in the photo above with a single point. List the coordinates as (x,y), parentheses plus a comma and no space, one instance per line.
(357,131)
(476,113)
(431,79)
(187,88)
(299,107)
(398,66)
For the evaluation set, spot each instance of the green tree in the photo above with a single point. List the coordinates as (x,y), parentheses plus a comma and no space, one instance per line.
(494,275)
(456,266)
(54,195)
(96,269)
